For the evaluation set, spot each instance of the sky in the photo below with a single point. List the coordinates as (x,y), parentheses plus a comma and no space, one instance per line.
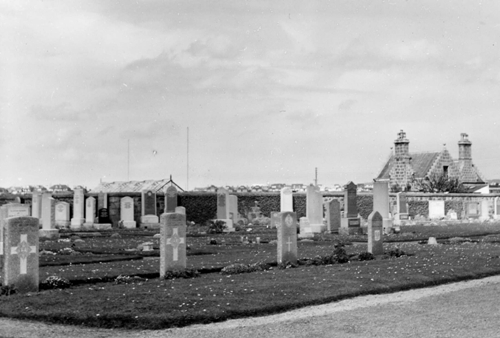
(103,90)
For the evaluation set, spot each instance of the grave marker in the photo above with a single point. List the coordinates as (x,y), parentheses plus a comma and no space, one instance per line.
(496,206)
(350,223)
(36,205)
(375,233)
(287,237)
(172,242)
(11,210)
(222,197)
(48,218)
(127,212)
(286,199)
(21,253)
(436,209)
(170,199)
(333,215)
(78,207)
(314,211)
(485,210)
(381,203)
(90,212)
(149,219)
(102,201)
(180,210)
(62,214)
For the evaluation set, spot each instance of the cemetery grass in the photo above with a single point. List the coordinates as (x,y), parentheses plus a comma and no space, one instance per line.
(156,303)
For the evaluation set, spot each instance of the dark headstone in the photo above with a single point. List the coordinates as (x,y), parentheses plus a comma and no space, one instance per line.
(375,233)
(333,215)
(350,201)
(171,199)
(149,203)
(103,216)
(287,238)
(403,203)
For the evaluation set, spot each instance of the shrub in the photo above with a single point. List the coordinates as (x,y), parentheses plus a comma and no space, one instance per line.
(366,256)
(237,268)
(340,255)
(55,282)
(287,265)
(216,227)
(396,253)
(8,290)
(187,273)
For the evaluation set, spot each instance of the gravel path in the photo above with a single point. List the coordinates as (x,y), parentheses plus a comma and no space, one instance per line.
(466,309)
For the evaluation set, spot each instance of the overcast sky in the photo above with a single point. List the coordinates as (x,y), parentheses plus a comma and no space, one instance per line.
(269,89)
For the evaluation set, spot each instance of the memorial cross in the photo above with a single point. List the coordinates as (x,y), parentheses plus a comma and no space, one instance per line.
(175,241)
(23,250)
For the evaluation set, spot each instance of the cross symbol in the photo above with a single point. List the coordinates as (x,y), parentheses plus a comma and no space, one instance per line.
(175,241)
(289,243)
(23,250)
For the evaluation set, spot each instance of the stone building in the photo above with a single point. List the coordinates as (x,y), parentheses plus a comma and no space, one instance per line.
(403,167)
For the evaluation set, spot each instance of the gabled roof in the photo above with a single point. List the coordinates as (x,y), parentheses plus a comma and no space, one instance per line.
(420,162)
(132,186)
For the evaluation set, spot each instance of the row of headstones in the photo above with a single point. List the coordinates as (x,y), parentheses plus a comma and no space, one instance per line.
(21,239)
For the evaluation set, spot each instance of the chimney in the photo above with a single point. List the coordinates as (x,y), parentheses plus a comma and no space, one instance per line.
(401,147)
(464,148)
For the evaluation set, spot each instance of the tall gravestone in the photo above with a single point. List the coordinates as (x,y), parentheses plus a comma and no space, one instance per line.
(127,213)
(62,215)
(90,212)
(20,262)
(78,209)
(286,199)
(381,203)
(171,199)
(102,200)
(149,219)
(223,209)
(287,238)
(233,209)
(401,215)
(314,209)
(48,218)
(333,216)
(172,242)
(7,211)
(36,205)
(375,234)
(350,223)
(436,209)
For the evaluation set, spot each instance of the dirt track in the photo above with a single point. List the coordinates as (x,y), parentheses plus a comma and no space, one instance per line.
(465,309)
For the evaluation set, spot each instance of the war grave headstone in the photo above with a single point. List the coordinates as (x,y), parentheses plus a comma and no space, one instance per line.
(223,209)
(170,199)
(472,210)
(401,215)
(305,228)
(62,215)
(381,204)
(375,233)
(36,205)
(127,213)
(20,261)
(485,210)
(286,199)
(11,210)
(496,208)
(78,207)
(287,238)
(333,216)
(436,209)
(90,213)
(149,219)
(48,229)
(314,209)
(350,223)
(172,242)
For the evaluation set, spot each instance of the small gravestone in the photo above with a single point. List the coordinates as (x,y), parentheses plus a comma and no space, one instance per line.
(254,212)
(401,216)
(287,238)
(350,224)
(78,209)
(21,254)
(172,242)
(36,205)
(275,219)
(62,214)
(11,210)
(90,213)
(314,209)
(149,219)
(333,215)
(436,209)
(305,228)
(286,199)
(451,215)
(375,233)
(170,199)
(103,220)
(127,213)
(180,210)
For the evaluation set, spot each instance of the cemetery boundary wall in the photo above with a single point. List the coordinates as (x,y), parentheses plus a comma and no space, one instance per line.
(202,206)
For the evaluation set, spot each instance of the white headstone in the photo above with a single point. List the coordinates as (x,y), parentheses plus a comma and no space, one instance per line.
(127,212)
(36,205)
(90,211)
(436,209)
(11,210)
(78,207)
(286,199)
(62,214)
(314,211)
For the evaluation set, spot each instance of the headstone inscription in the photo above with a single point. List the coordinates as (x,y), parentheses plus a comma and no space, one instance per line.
(170,199)
(375,233)
(287,238)
(172,242)
(333,215)
(21,254)
(62,214)
(78,207)
(127,213)
(286,199)
(350,223)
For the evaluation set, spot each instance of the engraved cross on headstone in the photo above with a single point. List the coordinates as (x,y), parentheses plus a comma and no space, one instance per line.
(289,243)
(175,241)
(23,250)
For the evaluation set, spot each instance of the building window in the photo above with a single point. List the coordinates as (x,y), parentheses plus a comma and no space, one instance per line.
(445,171)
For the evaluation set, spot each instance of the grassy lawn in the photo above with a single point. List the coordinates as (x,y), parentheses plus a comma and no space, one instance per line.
(153,303)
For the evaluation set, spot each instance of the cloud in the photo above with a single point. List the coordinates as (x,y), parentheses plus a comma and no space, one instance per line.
(62,112)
